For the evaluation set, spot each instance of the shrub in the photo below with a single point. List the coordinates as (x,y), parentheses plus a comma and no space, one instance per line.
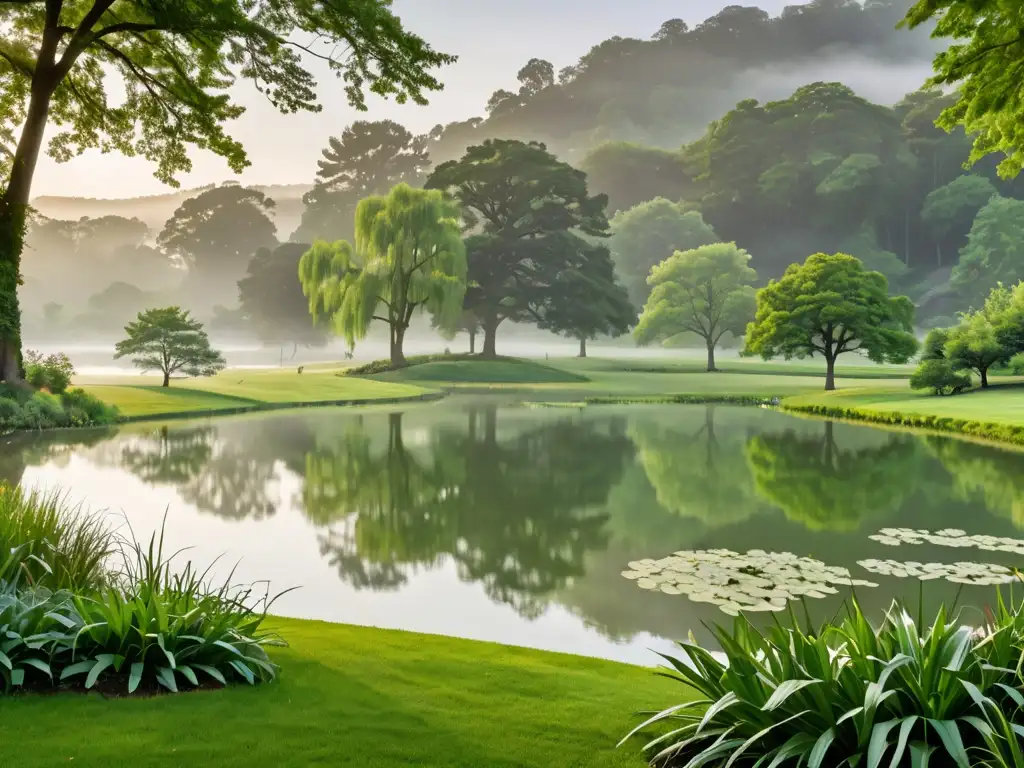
(84,409)
(940,377)
(11,414)
(1016,364)
(43,411)
(47,542)
(146,627)
(848,694)
(53,372)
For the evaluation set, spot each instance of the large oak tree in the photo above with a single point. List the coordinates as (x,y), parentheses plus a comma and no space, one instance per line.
(177,61)
(519,203)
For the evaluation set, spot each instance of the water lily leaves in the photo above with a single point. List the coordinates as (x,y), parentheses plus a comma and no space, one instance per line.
(959,573)
(948,537)
(755,581)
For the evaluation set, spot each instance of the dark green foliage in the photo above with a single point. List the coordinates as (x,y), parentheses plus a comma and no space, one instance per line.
(369,158)
(168,340)
(935,344)
(940,377)
(520,203)
(848,693)
(52,372)
(27,409)
(272,301)
(994,252)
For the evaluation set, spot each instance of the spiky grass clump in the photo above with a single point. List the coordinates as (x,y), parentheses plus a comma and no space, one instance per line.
(46,541)
(847,694)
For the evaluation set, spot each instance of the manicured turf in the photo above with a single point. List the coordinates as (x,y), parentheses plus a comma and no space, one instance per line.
(612,377)
(236,388)
(1002,403)
(488,371)
(359,697)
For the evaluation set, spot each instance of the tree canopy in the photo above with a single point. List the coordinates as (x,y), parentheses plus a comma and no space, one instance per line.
(647,234)
(985,61)
(408,256)
(369,158)
(994,252)
(707,291)
(216,233)
(518,204)
(828,306)
(271,298)
(168,340)
(176,63)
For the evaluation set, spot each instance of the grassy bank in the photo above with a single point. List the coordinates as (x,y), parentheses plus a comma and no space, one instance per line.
(996,413)
(237,389)
(601,377)
(352,696)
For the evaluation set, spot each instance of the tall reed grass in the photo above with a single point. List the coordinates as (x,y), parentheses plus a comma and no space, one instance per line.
(47,541)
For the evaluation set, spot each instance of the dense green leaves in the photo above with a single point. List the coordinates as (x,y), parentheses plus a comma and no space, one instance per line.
(647,234)
(849,694)
(706,291)
(409,256)
(994,252)
(828,306)
(524,211)
(985,60)
(168,340)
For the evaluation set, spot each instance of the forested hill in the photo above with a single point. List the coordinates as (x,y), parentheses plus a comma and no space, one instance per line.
(664,91)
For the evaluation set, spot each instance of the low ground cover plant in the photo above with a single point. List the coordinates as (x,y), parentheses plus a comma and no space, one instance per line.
(48,401)
(850,694)
(82,606)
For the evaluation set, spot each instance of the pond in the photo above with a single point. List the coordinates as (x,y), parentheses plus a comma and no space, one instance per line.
(607,531)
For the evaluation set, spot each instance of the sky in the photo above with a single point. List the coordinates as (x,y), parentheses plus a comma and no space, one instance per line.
(492,38)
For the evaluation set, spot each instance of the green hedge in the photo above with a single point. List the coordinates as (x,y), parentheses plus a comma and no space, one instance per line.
(1008,433)
(28,409)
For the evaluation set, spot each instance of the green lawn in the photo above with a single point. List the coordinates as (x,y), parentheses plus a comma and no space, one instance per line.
(237,388)
(621,377)
(1002,403)
(360,697)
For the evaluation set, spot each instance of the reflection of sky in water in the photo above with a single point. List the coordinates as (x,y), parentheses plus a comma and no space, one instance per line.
(283,549)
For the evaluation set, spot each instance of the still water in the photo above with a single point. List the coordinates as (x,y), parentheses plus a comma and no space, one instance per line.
(492,520)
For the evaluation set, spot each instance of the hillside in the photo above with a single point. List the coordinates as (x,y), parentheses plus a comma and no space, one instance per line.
(154,210)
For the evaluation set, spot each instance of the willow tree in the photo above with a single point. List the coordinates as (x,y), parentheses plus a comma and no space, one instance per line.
(175,63)
(408,256)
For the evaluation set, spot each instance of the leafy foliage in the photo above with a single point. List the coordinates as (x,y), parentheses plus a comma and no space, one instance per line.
(52,372)
(647,234)
(846,693)
(409,255)
(369,158)
(169,340)
(984,61)
(827,306)
(994,252)
(940,377)
(272,300)
(706,291)
(519,202)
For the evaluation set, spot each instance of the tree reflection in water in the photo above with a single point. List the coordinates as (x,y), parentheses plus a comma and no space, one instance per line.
(517,512)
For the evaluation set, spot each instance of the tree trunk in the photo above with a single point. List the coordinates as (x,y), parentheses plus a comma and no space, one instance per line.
(14,205)
(830,373)
(490,332)
(984,378)
(167,379)
(397,351)
(906,236)
(938,252)
(472,342)
(711,355)
(583,347)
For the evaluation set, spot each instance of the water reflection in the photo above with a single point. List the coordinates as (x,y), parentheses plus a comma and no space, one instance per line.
(423,513)
(823,485)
